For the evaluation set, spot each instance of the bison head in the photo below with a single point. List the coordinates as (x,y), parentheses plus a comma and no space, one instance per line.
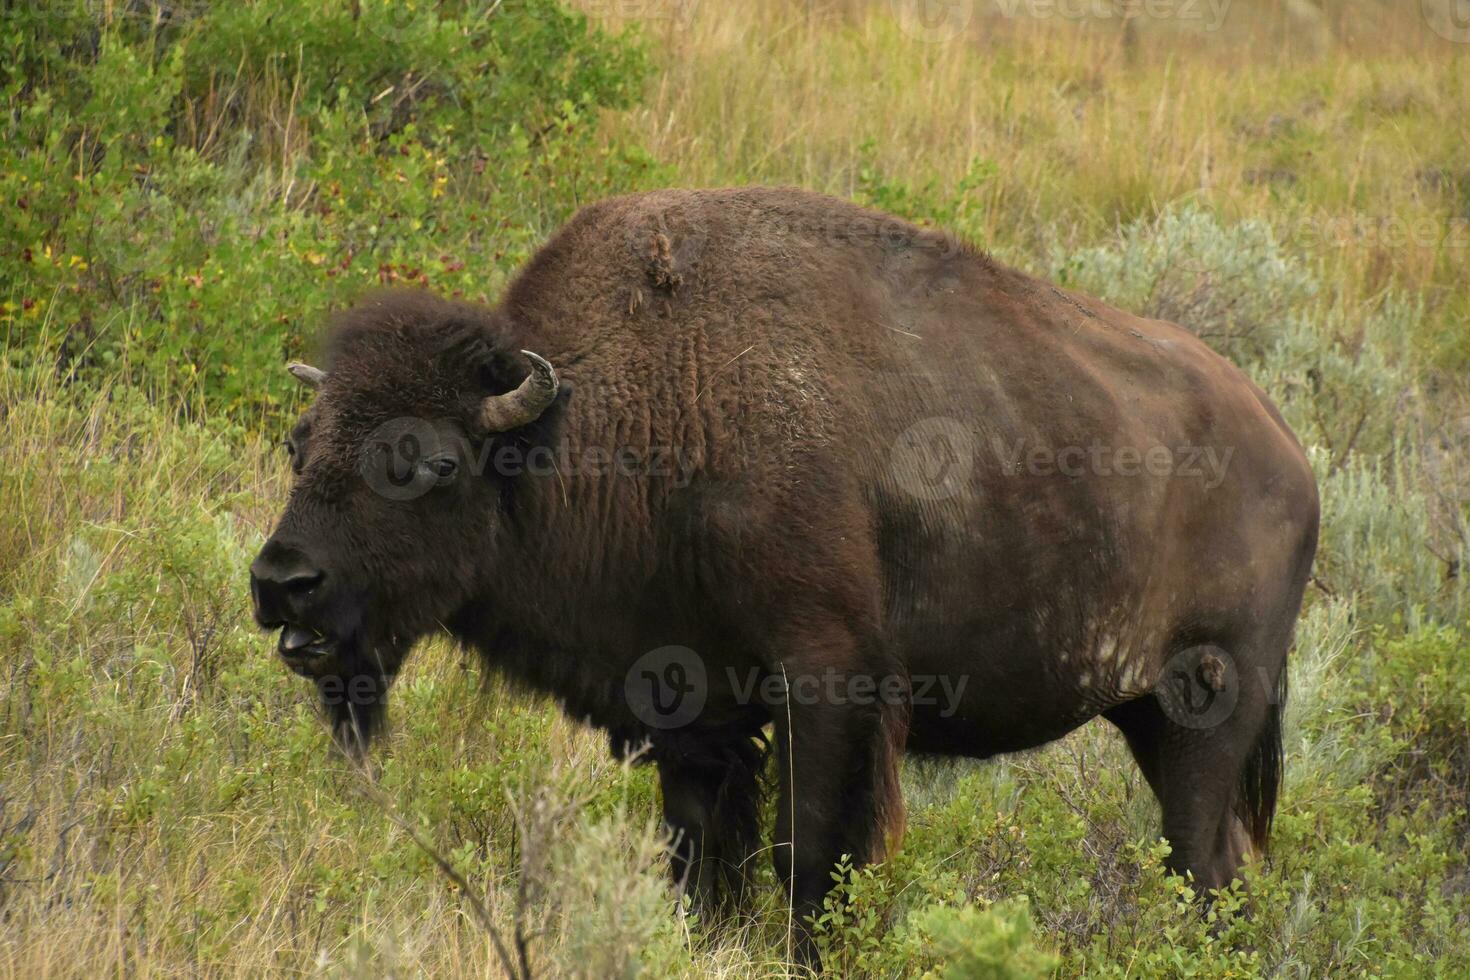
(395,509)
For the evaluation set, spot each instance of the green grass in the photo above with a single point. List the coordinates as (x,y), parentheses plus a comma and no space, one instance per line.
(185,195)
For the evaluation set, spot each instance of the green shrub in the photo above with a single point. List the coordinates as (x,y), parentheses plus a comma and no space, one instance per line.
(953,207)
(984,944)
(1417,687)
(194,186)
(1379,542)
(1233,286)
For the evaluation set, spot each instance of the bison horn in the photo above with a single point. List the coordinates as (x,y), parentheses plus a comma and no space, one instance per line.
(306,374)
(501,413)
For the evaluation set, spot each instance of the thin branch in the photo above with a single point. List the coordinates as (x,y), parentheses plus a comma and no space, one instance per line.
(477,905)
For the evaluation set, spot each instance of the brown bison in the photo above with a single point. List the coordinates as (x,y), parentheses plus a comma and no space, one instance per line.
(781,463)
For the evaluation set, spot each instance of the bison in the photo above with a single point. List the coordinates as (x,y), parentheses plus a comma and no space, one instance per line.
(732,473)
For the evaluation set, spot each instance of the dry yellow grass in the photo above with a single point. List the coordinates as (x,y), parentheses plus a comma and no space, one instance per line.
(169,803)
(1347,132)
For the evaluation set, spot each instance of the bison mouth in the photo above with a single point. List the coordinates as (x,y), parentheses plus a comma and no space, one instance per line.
(307,651)
(352,672)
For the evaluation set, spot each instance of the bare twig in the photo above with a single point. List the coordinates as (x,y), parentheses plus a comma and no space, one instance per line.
(1326,589)
(476,903)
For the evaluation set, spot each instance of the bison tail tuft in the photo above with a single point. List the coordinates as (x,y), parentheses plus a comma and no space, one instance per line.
(1260,780)
(891,816)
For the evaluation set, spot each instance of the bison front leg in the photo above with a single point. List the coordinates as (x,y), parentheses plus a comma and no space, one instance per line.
(711,788)
(839,738)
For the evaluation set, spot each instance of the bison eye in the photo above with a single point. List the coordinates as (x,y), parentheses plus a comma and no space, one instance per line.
(293,455)
(441,466)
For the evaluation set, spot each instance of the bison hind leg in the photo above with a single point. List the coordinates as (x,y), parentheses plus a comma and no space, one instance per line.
(713,786)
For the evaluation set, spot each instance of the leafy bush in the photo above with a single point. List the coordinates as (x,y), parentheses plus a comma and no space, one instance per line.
(1378,540)
(989,944)
(936,204)
(231,171)
(1417,687)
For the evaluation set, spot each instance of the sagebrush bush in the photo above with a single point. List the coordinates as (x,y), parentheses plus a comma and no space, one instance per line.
(1346,381)
(1234,286)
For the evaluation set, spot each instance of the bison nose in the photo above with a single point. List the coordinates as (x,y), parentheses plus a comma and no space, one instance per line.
(281,579)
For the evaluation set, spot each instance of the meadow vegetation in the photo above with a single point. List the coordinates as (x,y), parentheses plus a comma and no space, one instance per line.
(187,189)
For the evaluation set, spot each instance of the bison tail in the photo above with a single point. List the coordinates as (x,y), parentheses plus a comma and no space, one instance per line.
(1260,780)
(890,812)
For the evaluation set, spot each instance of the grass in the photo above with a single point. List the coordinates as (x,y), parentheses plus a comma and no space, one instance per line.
(1296,186)
(1349,153)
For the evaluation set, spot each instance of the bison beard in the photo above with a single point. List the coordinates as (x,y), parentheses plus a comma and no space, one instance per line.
(354,693)
(830,382)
